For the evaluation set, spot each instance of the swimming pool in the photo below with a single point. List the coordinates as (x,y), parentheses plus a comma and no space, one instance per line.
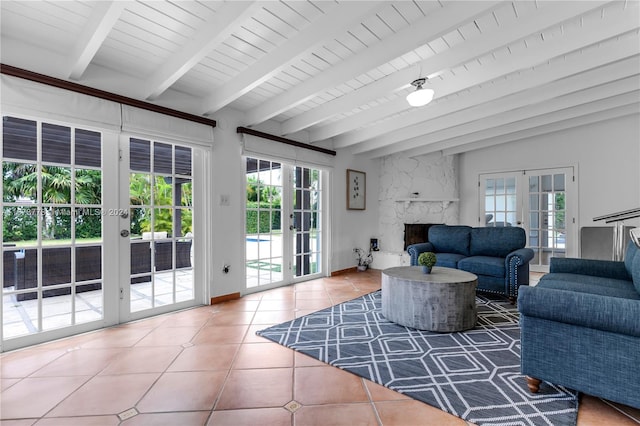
(256,240)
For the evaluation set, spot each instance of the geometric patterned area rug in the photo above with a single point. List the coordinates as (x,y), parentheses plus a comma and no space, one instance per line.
(474,374)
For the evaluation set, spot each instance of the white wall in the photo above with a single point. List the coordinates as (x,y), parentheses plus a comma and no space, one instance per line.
(227,178)
(607,156)
(352,228)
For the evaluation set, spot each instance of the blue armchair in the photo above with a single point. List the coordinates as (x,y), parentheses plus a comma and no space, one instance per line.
(497,255)
(580,327)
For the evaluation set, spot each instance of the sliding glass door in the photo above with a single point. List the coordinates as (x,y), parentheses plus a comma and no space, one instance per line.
(284,236)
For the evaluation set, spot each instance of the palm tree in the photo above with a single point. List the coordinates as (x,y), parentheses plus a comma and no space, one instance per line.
(140,188)
(20,182)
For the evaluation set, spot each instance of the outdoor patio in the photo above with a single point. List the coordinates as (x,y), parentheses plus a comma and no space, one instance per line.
(21,317)
(264,259)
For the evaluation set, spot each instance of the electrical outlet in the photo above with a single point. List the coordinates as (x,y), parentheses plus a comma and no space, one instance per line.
(224,199)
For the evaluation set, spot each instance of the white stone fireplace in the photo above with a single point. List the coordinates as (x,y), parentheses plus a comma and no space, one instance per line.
(413,190)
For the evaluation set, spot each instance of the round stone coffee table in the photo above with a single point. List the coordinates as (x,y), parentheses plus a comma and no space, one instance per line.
(444,300)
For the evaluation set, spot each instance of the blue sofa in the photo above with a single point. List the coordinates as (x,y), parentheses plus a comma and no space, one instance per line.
(580,327)
(497,255)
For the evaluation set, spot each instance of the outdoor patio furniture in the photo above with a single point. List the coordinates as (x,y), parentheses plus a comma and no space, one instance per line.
(56,269)
(20,266)
(8,268)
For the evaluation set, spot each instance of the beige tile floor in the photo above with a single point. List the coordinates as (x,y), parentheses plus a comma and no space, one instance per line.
(206,366)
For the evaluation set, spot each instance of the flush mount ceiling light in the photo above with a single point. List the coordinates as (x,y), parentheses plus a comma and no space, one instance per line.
(421,96)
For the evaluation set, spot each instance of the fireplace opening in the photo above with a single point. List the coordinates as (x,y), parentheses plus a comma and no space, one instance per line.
(415,233)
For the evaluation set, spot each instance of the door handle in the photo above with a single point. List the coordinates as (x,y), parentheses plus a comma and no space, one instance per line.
(124,233)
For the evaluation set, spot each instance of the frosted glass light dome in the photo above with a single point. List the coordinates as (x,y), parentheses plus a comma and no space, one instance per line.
(420,97)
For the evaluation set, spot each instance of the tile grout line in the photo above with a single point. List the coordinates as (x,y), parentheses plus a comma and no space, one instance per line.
(296,363)
(632,417)
(232,363)
(64,353)
(371,401)
(211,314)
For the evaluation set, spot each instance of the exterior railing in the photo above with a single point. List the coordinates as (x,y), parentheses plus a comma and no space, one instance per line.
(618,219)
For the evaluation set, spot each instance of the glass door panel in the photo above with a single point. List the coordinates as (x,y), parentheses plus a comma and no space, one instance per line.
(500,201)
(547,213)
(161,225)
(535,200)
(306,212)
(283,223)
(52,220)
(264,226)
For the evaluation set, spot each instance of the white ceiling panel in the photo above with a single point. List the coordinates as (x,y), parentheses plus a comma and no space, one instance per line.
(243,45)
(393,18)
(139,39)
(281,19)
(152,22)
(412,11)
(226,50)
(36,26)
(346,84)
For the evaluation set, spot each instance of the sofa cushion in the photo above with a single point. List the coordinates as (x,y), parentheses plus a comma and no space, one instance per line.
(590,284)
(450,239)
(583,278)
(483,265)
(629,255)
(635,271)
(632,264)
(448,260)
(591,267)
(614,314)
(496,242)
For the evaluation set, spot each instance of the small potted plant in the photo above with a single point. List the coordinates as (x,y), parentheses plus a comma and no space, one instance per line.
(364,259)
(427,260)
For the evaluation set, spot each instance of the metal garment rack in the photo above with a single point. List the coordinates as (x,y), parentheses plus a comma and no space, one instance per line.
(618,230)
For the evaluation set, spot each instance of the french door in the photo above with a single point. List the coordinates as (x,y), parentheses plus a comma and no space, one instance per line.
(284,237)
(55,213)
(158,222)
(91,235)
(540,201)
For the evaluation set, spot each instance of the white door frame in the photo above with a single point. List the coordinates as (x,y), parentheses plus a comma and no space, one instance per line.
(200,246)
(109,148)
(522,203)
(115,258)
(288,276)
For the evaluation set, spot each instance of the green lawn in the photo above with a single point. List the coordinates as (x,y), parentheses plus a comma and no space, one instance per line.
(264,266)
(66,241)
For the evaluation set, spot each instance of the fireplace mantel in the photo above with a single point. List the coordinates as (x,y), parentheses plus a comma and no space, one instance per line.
(445,201)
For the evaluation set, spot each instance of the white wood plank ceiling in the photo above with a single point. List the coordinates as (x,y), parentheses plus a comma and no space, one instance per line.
(336,73)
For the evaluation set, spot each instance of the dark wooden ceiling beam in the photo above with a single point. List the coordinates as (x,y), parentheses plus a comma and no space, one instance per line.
(263,135)
(85,90)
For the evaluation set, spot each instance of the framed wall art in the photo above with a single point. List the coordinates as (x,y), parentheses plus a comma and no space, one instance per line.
(356,190)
